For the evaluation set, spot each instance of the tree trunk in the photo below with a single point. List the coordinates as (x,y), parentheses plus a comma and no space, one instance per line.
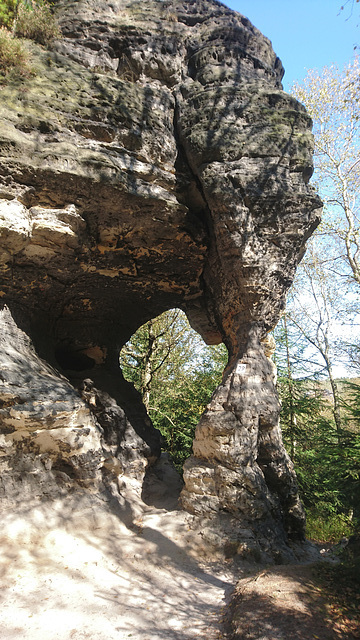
(336,398)
(291,394)
(148,368)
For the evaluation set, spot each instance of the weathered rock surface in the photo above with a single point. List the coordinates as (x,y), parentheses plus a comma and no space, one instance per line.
(152,162)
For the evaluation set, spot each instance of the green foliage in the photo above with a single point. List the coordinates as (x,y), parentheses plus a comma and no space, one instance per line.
(302,407)
(325,527)
(176,374)
(7,12)
(326,459)
(327,470)
(177,411)
(324,297)
(14,59)
(351,441)
(162,347)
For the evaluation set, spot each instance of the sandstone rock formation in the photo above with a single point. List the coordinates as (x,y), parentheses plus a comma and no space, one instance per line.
(152,162)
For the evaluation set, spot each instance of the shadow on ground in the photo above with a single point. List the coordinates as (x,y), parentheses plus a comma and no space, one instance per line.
(281,603)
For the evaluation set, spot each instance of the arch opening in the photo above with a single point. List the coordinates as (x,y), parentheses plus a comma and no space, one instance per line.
(176,373)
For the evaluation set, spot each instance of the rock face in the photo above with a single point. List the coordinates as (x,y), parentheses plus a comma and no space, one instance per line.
(152,162)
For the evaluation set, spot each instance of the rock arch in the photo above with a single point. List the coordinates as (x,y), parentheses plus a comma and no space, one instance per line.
(181,181)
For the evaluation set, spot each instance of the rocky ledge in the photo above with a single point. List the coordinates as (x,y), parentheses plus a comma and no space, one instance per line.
(153,161)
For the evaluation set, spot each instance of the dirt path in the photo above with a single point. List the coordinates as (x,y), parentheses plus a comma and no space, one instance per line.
(281,603)
(77,570)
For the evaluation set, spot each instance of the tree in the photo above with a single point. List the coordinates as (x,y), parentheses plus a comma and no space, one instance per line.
(351,461)
(332,98)
(327,465)
(177,410)
(323,301)
(150,349)
(318,312)
(176,374)
(348,7)
(315,429)
(9,10)
(332,265)
(296,385)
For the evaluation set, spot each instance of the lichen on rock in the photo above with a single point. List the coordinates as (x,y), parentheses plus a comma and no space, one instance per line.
(152,162)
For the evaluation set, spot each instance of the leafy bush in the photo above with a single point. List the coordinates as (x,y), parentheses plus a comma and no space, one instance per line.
(36,22)
(7,12)
(14,59)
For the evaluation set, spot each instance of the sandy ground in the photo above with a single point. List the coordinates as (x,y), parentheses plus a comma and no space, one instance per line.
(75,570)
(85,568)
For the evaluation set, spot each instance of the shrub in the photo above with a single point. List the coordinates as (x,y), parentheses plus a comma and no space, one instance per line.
(36,22)
(7,12)
(14,59)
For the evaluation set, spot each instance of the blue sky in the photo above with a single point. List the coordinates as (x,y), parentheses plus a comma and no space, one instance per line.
(305,34)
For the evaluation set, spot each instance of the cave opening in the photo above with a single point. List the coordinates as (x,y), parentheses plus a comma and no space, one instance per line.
(71,359)
(176,373)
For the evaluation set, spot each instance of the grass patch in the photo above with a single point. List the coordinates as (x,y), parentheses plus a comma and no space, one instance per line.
(14,58)
(322,527)
(37,23)
(32,20)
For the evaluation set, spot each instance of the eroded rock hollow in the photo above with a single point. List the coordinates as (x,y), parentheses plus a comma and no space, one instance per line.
(153,161)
